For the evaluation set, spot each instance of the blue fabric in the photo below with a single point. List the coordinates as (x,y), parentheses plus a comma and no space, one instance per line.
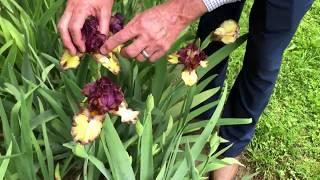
(272,25)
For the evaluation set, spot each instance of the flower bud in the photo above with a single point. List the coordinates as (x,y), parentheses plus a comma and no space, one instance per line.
(139,128)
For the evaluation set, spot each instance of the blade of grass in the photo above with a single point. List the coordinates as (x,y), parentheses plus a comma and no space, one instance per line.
(26,135)
(221,54)
(41,159)
(194,174)
(5,124)
(200,143)
(5,162)
(119,156)
(48,151)
(146,167)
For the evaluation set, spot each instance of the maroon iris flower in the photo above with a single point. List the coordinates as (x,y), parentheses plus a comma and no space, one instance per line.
(90,32)
(191,56)
(116,23)
(103,96)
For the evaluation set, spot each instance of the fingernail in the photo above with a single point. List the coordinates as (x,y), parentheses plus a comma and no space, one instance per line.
(83,49)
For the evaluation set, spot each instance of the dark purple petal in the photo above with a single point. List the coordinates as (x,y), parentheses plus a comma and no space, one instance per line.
(116,23)
(191,56)
(103,96)
(93,38)
(90,27)
(94,42)
(88,89)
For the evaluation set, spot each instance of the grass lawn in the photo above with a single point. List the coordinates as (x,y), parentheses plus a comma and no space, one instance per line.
(287,142)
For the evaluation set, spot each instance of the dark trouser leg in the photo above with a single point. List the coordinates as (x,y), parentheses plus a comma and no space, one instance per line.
(208,23)
(272,25)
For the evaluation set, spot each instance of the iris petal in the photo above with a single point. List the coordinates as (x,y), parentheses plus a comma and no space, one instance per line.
(86,129)
(189,77)
(68,61)
(111,62)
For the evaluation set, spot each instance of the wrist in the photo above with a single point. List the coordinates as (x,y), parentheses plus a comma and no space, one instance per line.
(186,11)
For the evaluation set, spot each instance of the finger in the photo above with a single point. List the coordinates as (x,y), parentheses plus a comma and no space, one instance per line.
(119,38)
(75,26)
(149,50)
(157,55)
(64,33)
(135,48)
(104,20)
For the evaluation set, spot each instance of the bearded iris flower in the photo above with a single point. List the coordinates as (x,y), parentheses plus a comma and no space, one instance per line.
(191,57)
(103,96)
(228,32)
(93,41)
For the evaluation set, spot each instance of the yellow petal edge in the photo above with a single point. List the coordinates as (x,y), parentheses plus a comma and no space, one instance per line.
(86,129)
(189,77)
(68,61)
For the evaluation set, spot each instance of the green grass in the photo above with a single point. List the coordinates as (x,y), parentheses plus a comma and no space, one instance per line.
(287,141)
(38,102)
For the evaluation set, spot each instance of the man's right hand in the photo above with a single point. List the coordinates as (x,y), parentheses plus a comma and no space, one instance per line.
(74,16)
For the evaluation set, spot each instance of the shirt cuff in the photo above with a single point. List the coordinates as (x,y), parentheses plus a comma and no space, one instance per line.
(213,4)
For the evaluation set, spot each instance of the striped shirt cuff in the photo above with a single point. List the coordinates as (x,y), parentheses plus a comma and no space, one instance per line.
(213,4)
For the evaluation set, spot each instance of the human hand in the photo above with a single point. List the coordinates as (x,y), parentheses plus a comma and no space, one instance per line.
(74,16)
(156,29)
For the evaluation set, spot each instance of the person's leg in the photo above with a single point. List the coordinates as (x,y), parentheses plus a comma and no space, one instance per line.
(272,26)
(208,23)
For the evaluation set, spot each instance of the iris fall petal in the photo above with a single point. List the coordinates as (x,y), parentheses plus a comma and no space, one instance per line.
(127,115)
(189,77)
(68,61)
(86,128)
(173,58)
(110,62)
